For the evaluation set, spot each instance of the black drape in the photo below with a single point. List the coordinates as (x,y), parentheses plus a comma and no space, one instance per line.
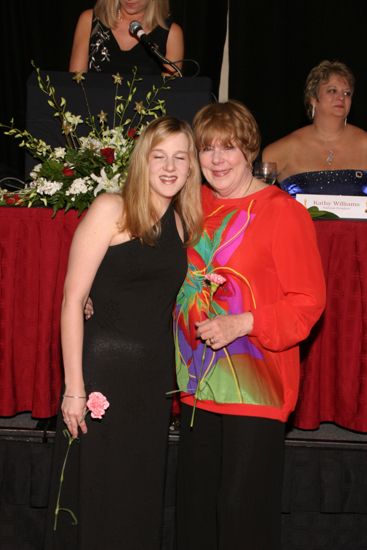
(274,44)
(204,23)
(38,30)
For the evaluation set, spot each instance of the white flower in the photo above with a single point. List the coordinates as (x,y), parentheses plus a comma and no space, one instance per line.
(79,185)
(46,187)
(42,147)
(105,183)
(90,142)
(74,120)
(35,171)
(114,138)
(59,152)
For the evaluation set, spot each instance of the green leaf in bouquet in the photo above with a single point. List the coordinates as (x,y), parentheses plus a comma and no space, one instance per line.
(316,213)
(70,177)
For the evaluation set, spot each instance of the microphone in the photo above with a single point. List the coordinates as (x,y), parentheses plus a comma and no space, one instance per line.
(137,30)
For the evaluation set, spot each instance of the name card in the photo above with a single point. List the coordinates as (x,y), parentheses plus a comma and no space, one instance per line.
(344,206)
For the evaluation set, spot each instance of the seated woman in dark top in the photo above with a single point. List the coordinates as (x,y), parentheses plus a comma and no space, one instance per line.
(103,43)
(328,156)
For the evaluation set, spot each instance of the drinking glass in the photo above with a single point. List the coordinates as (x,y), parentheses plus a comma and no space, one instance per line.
(266,171)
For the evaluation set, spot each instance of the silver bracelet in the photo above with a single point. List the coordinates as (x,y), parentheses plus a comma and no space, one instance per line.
(75,396)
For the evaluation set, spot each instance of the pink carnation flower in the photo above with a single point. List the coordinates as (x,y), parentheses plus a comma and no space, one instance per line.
(97,404)
(215,278)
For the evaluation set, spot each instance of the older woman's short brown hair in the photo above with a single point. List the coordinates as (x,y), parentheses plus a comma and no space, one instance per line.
(228,123)
(322,73)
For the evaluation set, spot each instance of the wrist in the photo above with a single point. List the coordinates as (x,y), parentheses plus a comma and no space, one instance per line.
(74,389)
(247,323)
(72,396)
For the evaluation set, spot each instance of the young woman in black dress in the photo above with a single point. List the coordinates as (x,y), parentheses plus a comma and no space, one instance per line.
(128,254)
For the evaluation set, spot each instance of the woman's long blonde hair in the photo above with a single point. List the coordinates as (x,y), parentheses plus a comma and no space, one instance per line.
(140,217)
(155,14)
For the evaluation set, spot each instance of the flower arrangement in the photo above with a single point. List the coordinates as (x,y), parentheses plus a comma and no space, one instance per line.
(96,404)
(72,176)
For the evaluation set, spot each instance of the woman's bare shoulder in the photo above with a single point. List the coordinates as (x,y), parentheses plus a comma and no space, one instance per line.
(86,16)
(103,217)
(283,144)
(357,133)
(279,150)
(108,203)
(284,151)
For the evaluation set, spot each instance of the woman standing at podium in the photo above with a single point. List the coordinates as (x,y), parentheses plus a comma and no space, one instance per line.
(103,42)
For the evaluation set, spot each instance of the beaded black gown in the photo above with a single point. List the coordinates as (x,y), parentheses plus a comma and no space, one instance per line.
(114,477)
(327,182)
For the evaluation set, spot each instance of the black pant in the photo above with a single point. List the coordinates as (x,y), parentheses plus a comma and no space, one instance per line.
(230,471)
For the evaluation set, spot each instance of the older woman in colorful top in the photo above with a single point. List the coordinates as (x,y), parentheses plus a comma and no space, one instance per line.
(329,156)
(237,341)
(103,42)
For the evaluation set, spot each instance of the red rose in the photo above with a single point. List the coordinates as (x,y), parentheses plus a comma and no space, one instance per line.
(131,133)
(68,171)
(109,154)
(11,199)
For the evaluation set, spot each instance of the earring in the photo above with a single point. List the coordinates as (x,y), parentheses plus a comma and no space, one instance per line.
(313,112)
(345,121)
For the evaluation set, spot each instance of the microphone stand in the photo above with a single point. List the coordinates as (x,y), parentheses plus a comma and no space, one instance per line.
(165,60)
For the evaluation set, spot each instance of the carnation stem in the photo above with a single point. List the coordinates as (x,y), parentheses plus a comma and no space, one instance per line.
(229,359)
(198,386)
(58,508)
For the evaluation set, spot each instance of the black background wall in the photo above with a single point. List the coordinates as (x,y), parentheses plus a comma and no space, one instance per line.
(273,45)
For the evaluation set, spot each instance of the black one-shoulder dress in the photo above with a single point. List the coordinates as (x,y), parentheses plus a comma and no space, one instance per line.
(114,476)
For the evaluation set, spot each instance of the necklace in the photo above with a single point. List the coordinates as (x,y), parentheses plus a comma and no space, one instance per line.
(330,152)
(330,157)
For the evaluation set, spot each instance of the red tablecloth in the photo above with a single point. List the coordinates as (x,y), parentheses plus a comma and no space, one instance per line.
(33,258)
(334,366)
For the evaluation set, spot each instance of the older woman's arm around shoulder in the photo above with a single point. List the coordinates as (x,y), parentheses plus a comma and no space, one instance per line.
(80,50)
(91,240)
(301,296)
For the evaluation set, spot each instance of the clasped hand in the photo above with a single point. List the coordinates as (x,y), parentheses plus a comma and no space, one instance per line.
(224,329)
(73,411)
